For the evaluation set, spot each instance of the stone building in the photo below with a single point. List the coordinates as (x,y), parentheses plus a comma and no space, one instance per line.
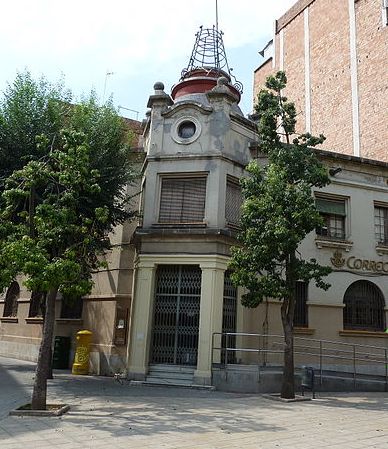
(158,313)
(334,54)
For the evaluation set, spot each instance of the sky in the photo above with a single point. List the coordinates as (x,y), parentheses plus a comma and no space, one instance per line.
(136,42)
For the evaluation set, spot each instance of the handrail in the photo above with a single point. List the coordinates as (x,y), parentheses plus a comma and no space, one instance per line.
(354,353)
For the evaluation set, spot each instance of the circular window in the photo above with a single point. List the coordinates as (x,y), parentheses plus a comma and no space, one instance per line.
(186,129)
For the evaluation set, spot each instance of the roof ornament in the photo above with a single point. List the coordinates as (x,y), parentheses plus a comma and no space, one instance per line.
(209,55)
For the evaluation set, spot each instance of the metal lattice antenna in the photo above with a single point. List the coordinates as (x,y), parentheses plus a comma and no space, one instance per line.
(209,54)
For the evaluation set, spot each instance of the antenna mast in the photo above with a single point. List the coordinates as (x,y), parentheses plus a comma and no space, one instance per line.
(217,15)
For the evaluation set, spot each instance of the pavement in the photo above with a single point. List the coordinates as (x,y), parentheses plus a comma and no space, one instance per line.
(106,414)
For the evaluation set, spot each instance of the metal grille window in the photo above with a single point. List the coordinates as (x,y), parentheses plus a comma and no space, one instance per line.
(229,318)
(301,315)
(381,224)
(176,315)
(37,303)
(182,200)
(11,300)
(233,202)
(364,307)
(333,213)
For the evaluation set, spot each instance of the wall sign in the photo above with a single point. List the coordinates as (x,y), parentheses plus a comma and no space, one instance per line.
(354,263)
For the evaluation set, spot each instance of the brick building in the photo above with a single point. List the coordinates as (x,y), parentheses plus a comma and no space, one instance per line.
(334,53)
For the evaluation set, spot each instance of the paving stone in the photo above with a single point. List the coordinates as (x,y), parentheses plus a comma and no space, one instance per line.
(106,414)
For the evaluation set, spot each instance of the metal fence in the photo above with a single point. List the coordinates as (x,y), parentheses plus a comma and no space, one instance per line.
(266,350)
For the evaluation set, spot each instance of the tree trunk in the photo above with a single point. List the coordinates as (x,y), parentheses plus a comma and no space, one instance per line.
(39,393)
(287,312)
(288,384)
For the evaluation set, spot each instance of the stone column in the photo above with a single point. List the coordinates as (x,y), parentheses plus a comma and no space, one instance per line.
(210,320)
(141,321)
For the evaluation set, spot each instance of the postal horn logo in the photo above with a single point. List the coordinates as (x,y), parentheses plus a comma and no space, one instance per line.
(337,260)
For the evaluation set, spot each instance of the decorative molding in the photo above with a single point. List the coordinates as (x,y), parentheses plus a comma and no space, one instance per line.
(107,297)
(204,261)
(335,306)
(184,105)
(9,319)
(355,333)
(381,249)
(328,243)
(34,320)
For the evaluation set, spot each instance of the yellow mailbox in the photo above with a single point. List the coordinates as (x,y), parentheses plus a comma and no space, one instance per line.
(82,352)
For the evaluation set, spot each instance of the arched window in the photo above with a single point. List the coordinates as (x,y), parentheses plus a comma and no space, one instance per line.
(11,300)
(364,307)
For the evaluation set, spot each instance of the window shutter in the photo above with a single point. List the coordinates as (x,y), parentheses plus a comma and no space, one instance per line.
(330,206)
(233,202)
(182,200)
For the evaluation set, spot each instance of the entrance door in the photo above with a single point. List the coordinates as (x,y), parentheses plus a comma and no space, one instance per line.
(176,315)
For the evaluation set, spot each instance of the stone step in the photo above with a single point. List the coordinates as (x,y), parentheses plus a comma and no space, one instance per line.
(171,375)
(172,368)
(171,385)
(169,380)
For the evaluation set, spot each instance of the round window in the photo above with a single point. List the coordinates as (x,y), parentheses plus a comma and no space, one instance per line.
(186,129)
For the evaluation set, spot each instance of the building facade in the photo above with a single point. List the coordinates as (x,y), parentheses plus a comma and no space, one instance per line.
(162,310)
(334,54)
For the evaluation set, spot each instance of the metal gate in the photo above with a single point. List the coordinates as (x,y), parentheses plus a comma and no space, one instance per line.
(229,318)
(176,315)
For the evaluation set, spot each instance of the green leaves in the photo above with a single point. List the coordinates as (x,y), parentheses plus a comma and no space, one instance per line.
(63,185)
(279,209)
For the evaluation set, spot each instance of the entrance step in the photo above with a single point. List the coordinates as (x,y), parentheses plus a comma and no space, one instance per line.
(171,376)
(167,374)
(147,383)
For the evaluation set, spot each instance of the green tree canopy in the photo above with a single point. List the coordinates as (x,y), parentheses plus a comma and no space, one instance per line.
(63,192)
(278,212)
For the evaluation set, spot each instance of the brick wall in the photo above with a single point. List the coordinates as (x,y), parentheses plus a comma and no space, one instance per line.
(294,64)
(261,75)
(372,54)
(332,109)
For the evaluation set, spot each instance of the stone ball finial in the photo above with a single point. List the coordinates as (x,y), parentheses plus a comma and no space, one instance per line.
(222,81)
(159,85)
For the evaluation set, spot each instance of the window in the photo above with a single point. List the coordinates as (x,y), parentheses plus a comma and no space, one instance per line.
(233,202)
(71,307)
(182,200)
(333,213)
(37,304)
(11,300)
(381,224)
(364,307)
(300,315)
(186,129)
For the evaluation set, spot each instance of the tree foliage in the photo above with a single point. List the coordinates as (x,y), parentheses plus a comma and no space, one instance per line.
(63,190)
(279,210)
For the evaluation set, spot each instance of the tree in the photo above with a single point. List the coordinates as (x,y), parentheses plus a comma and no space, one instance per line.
(57,209)
(277,214)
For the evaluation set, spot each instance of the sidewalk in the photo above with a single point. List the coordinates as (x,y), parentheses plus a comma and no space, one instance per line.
(106,414)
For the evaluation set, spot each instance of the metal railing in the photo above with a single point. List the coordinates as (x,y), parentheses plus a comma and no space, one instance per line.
(264,350)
